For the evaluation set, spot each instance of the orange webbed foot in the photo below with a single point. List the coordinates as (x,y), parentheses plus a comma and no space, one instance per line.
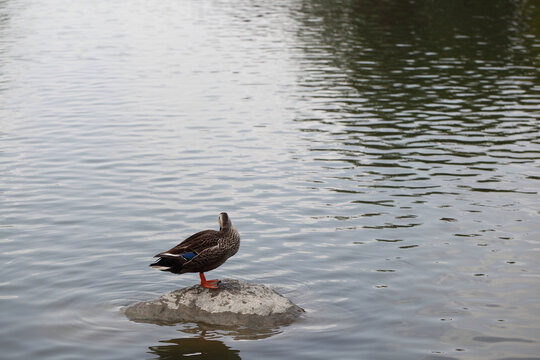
(209,284)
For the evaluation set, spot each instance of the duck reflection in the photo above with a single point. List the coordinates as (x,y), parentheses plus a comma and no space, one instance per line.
(204,342)
(194,348)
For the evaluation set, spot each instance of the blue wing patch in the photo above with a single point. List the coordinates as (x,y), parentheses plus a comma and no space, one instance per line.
(190,255)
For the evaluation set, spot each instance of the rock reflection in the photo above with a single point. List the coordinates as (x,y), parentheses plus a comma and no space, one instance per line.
(234,332)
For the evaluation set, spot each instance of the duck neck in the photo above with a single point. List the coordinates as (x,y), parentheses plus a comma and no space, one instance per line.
(228,230)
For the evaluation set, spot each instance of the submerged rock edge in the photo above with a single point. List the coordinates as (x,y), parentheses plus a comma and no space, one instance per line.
(235,303)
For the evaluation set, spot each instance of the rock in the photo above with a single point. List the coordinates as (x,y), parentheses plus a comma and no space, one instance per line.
(235,303)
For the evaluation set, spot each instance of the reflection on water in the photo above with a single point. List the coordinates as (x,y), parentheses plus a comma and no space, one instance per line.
(416,100)
(194,348)
(380,158)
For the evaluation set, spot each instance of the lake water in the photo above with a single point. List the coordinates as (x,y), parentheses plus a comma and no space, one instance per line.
(381,160)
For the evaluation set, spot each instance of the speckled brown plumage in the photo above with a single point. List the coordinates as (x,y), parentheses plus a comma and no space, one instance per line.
(202,252)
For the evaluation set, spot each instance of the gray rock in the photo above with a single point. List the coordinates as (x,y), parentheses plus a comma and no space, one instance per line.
(235,303)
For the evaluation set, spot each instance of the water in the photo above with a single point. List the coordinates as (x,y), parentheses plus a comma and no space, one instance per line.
(379,158)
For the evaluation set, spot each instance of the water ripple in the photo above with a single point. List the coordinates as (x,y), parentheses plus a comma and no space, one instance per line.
(380,160)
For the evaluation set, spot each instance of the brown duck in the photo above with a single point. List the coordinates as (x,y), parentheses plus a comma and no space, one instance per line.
(202,252)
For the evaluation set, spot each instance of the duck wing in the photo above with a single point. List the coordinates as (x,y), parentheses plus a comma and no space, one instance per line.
(195,243)
(208,259)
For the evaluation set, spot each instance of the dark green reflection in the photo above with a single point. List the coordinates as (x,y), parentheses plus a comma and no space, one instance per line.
(380,59)
(407,91)
(359,33)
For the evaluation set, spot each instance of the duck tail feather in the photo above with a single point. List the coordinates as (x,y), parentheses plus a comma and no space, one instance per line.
(171,263)
(168,255)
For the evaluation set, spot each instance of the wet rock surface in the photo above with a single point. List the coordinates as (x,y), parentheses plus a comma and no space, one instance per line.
(235,303)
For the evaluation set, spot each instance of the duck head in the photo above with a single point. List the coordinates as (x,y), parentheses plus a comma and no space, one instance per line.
(224,221)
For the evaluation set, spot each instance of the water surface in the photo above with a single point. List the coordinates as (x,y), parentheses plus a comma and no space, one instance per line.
(379,158)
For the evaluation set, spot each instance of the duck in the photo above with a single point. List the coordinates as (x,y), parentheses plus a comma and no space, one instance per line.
(202,252)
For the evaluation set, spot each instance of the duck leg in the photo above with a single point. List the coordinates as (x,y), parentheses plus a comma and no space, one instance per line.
(209,284)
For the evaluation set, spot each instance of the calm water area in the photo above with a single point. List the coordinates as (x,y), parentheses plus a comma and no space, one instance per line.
(380,159)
